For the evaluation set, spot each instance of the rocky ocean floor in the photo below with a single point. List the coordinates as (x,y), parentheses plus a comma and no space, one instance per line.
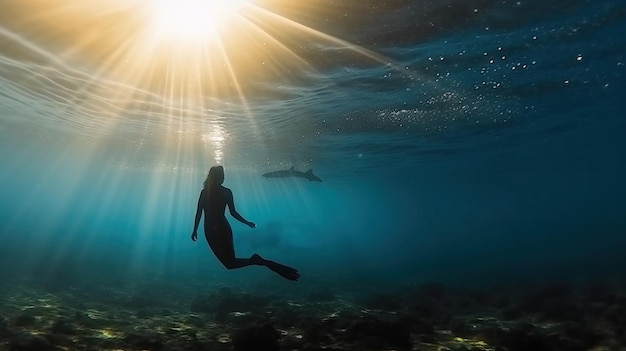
(155,316)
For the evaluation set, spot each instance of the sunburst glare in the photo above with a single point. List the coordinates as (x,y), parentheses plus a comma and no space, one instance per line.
(192,20)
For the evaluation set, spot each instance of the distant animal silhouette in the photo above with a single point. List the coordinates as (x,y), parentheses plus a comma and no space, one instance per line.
(291,172)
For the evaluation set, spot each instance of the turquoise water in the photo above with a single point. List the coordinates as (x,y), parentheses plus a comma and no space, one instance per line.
(462,143)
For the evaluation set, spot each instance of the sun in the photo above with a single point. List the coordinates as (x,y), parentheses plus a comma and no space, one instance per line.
(192,20)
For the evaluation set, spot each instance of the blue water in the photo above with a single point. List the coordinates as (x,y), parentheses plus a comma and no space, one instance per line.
(462,143)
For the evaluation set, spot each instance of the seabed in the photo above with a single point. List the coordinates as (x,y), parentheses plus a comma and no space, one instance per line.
(427,317)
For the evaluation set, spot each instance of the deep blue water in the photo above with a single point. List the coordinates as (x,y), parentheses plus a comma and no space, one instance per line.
(463,142)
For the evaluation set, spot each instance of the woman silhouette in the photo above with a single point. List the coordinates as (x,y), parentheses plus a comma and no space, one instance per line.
(213,200)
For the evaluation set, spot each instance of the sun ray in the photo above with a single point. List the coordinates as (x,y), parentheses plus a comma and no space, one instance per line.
(261,12)
(275,41)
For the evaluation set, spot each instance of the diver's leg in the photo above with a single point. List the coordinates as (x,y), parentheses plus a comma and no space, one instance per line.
(221,242)
(284,271)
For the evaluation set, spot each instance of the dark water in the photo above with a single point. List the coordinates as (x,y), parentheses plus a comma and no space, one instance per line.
(472,143)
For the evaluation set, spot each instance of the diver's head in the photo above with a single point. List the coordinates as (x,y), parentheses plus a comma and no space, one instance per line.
(215,177)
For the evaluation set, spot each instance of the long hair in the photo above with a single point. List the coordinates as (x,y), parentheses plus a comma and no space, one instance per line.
(215,178)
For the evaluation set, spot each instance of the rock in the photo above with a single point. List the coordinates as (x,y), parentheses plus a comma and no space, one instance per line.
(24,320)
(520,338)
(458,327)
(30,342)
(149,342)
(492,334)
(417,325)
(580,335)
(4,328)
(64,327)
(257,337)
(370,342)
(85,320)
(224,302)
(319,348)
(290,342)
(343,321)
(316,333)
(555,302)
(238,320)
(97,342)
(393,333)
(60,340)
(195,320)
(228,304)
(142,314)
(288,316)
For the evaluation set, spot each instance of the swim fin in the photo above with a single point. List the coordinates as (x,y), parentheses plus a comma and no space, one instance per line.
(284,271)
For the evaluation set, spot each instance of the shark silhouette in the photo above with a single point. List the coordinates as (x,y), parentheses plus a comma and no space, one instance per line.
(293,173)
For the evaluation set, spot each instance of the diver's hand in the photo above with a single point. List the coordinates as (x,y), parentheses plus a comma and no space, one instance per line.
(251,225)
(194,235)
